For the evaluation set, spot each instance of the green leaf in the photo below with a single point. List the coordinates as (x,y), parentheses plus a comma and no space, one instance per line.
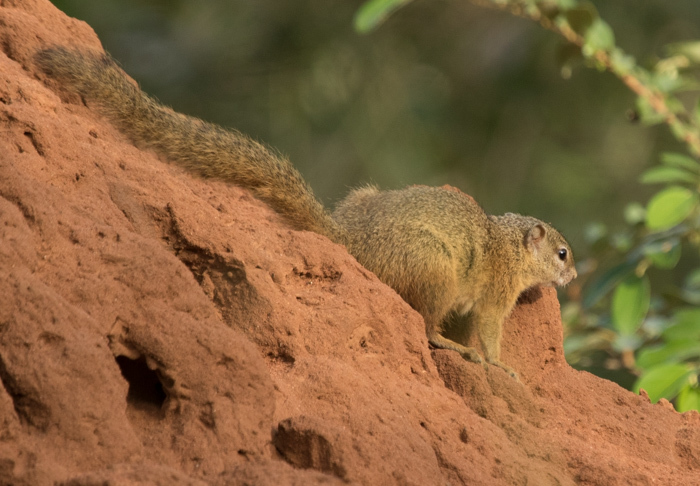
(690,50)
(666,82)
(688,399)
(670,207)
(622,64)
(372,13)
(687,326)
(599,37)
(672,352)
(663,381)
(669,80)
(600,287)
(666,261)
(664,254)
(681,161)
(662,174)
(630,304)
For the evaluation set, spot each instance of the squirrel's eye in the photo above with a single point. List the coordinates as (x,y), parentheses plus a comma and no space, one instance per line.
(562,254)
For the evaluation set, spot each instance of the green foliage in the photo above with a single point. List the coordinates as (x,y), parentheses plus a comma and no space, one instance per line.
(686,326)
(630,304)
(371,14)
(661,174)
(667,353)
(598,37)
(664,381)
(681,161)
(655,335)
(607,282)
(688,399)
(664,254)
(670,207)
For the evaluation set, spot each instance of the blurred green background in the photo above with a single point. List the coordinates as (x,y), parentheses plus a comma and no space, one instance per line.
(444,92)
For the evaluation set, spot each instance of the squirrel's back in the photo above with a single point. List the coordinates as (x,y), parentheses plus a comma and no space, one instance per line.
(401,235)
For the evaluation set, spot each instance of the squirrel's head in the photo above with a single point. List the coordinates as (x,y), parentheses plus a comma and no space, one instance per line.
(549,259)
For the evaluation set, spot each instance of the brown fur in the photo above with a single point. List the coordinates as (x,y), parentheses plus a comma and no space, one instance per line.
(435,246)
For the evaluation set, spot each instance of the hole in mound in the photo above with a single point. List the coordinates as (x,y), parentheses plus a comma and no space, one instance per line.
(35,142)
(146,391)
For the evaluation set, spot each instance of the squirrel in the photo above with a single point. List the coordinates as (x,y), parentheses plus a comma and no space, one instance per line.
(434,246)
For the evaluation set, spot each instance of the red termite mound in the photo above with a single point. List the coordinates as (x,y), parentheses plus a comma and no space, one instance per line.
(160,329)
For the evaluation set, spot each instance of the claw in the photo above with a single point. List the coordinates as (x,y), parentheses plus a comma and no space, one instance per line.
(511,372)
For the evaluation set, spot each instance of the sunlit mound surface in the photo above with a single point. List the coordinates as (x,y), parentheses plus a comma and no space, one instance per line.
(156,328)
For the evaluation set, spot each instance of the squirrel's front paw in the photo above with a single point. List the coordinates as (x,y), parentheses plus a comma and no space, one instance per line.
(470,354)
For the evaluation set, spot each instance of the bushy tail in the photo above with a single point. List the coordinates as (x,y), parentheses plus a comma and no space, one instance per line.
(201,147)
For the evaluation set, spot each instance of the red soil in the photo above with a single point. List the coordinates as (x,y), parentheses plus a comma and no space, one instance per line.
(160,329)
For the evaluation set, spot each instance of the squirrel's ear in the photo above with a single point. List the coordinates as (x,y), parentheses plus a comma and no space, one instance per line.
(534,236)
